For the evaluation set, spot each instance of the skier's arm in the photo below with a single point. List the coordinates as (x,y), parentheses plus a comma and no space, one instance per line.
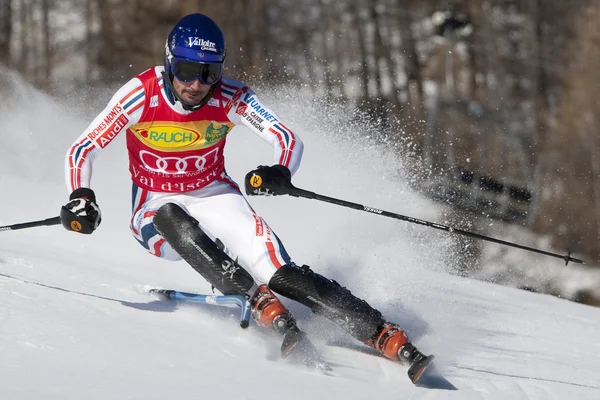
(248,110)
(82,214)
(124,109)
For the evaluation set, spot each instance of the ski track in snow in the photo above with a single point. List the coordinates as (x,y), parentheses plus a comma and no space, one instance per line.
(76,322)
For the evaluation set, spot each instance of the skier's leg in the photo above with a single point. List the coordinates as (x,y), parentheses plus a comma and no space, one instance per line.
(225,214)
(186,237)
(327,298)
(269,311)
(182,235)
(176,235)
(144,207)
(225,274)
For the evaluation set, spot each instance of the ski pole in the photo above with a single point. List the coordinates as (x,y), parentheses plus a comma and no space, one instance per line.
(296,192)
(45,222)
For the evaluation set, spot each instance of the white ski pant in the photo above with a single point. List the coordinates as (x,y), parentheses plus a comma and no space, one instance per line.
(223,213)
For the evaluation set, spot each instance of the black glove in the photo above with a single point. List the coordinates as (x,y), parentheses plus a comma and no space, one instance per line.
(270,181)
(81,214)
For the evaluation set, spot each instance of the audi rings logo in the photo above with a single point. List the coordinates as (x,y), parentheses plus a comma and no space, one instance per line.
(177,165)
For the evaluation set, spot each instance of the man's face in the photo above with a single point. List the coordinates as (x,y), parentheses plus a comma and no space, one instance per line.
(192,92)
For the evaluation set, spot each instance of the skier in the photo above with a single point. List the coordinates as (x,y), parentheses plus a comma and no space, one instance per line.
(175,119)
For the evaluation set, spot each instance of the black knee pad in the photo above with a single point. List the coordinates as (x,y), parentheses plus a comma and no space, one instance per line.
(327,298)
(186,237)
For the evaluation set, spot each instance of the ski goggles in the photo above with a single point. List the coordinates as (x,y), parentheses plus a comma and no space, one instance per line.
(187,71)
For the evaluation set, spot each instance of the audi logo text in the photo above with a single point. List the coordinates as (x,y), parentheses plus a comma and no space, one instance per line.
(178,165)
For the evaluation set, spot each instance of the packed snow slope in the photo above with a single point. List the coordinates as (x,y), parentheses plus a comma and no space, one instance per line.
(76,323)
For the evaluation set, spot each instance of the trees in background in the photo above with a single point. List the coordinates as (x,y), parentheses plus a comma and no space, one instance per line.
(5,31)
(572,198)
(507,87)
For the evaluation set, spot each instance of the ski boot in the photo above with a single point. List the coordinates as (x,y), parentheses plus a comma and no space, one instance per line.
(268,311)
(392,342)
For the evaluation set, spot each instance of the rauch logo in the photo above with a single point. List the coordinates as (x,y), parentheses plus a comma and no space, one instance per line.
(169,136)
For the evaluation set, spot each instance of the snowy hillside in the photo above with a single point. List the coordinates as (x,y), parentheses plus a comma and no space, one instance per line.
(75,322)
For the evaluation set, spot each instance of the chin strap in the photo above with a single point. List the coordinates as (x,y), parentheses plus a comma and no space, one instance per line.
(174,97)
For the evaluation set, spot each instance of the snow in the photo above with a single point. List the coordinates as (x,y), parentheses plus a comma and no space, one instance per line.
(76,322)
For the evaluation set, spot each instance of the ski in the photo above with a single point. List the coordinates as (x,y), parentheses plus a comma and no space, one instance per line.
(295,346)
(418,368)
(218,300)
(422,373)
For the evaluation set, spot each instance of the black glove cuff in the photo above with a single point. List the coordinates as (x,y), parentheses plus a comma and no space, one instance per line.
(83,192)
(283,169)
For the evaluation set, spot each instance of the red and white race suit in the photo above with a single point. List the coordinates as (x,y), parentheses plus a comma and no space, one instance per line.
(177,156)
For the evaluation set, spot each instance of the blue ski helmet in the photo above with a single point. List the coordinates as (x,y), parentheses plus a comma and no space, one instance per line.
(195,48)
